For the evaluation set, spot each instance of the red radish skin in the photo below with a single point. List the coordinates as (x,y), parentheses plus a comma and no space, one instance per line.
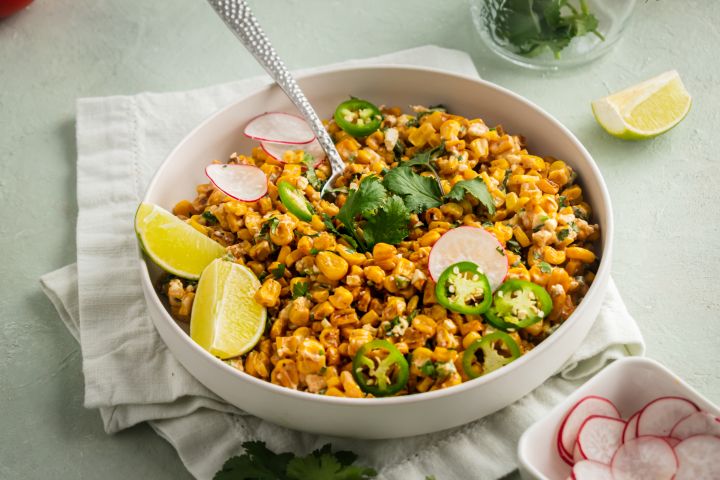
(276,150)
(662,414)
(246,183)
(279,127)
(590,470)
(470,244)
(599,437)
(630,427)
(587,406)
(563,454)
(577,455)
(672,441)
(644,458)
(698,458)
(698,423)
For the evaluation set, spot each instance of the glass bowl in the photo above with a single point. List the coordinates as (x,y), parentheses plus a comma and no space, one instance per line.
(551,34)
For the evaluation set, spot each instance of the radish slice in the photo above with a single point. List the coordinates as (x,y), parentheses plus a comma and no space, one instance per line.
(644,458)
(242,182)
(279,127)
(583,409)
(599,438)
(563,454)
(660,416)
(699,458)
(276,150)
(630,431)
(698,423)
(589,470)
(577,454)
(470,244)
(672,441)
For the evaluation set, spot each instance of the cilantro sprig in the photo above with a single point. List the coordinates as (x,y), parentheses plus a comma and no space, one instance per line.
(532,26)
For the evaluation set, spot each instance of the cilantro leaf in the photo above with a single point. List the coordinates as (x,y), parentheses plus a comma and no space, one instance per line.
(364,201)
(210,217)
(545,267)
(418,192)
(278,271)
(257,463)
(475,187)
(324,465)
(330,226)
(300,289)
(425,157)
(389,224)
(310,173)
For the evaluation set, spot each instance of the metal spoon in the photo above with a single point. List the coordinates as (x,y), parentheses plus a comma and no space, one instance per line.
(239,18)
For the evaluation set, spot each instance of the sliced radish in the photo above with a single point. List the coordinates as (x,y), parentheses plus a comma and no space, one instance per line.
(672,441)
(577,415)
(699,458)
(630,431)
(660,416)
(242,182)
(470,244)
(577,454)
(279,127)
(698,423)
(589,470)
(644,458)
(563,454)
(599,438)
(276,150)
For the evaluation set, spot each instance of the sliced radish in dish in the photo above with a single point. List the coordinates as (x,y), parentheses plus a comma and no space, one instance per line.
(698,458)
(698,423)
(662,414)
(644,458)
(630,431)
(577,454)
(589,470)
(563,454)
(599,437)
(276,150)
(279,127)
(577,415)
(242,182)
(672,441)
(470,244)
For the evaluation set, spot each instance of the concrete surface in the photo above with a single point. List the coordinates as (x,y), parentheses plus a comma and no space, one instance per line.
(665,191)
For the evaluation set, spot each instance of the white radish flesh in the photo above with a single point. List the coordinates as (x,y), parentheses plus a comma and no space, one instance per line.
(698,423)
(577,415)
(589,470)
(279,127)
(662,414)
(644,458)
(470,244)
(631,427)
(577,455)
(276,150)
(599,438)
(242,182)
(698,458)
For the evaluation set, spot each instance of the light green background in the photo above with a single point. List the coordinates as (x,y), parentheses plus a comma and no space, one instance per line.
(665,192)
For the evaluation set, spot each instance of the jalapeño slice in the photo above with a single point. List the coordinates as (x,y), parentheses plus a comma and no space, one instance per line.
(518,304)
(358,117)
(295,201)
(497,349)
(463,288)
(380,369)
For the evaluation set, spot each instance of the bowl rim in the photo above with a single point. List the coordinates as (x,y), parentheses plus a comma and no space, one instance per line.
(595,289)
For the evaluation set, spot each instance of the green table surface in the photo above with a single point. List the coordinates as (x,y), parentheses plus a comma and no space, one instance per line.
(666,260)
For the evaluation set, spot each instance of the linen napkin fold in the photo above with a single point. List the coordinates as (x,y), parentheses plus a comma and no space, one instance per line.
(131,377)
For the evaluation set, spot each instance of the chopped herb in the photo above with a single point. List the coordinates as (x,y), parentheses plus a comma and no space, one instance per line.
(505,179)
(545,267)
(580,213)
(563,234)
(300,289)
(399,149)
(327,220)
(401,282)
(574,227)
(270,225)
(540,225)
(418,192)
(209,217)
(310,173)
(488,224)
(475,187)
(428,369)
(278,271)
(500,251)
(562,201)
(314,251)
(262,276)
(514,246)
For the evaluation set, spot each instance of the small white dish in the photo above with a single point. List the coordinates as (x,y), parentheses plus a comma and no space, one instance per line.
(629,383)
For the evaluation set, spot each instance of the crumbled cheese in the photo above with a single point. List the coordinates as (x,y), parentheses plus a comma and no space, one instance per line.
(399,329)
(557,289)
(302,183)
(391,138)
(476,129)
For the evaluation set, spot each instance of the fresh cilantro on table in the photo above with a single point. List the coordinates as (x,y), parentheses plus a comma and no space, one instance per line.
(419,193)
(532,26)
(260,463)
(475,187)
(389,224)
(310,173)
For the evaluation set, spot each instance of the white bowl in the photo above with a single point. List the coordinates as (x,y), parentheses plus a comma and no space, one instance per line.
(629,383)
(221,135)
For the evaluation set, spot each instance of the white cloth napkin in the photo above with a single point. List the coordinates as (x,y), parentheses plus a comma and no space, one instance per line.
(131,377)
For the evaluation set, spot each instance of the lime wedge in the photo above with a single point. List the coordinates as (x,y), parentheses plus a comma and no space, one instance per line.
(174,245)
(226,320)
(644,110)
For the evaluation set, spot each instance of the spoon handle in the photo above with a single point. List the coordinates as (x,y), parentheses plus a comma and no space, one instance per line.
(239,18)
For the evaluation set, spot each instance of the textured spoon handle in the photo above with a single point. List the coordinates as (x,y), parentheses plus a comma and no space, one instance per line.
(239,18)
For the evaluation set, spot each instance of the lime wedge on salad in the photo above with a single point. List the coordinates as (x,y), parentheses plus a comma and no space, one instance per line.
(174,245)
(644,110)
(226,320)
